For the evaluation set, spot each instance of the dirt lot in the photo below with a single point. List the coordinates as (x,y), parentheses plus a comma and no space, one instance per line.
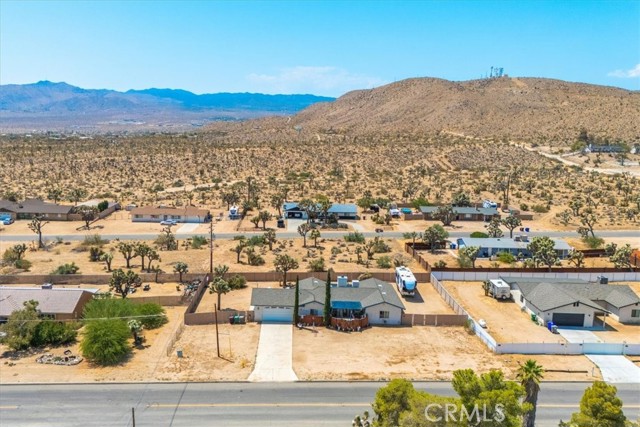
(239,299)
(415,353)
(617,332)
(157,289)
(505,321)
(238,347)
(143,365)
(426,301)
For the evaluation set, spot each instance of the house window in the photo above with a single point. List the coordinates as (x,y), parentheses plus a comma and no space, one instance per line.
(635,313)
(313,312)
(137,216)
(384,314)
(175,216)
(155,216)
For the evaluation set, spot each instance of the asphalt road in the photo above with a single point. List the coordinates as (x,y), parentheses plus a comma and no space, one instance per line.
(238,404)
(631,234)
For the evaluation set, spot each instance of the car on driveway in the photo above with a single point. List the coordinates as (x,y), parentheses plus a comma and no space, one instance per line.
(168,222)
(6,221)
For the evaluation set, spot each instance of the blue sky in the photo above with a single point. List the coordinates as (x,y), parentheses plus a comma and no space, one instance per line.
(321,47)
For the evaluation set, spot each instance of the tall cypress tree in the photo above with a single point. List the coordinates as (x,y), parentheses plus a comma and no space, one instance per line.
(327,301)
(296,304)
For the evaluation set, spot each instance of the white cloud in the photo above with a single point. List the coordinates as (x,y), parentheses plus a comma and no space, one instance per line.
(626,74)
(330,81)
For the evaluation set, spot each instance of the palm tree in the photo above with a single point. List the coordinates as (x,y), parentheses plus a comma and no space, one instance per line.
(529,376)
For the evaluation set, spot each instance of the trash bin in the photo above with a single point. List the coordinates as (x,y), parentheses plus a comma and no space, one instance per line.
(526,230)
(534,317)
(231,320)
(179,353)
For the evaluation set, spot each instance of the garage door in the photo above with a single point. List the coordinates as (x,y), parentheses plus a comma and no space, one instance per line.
(277,314)
(568,319)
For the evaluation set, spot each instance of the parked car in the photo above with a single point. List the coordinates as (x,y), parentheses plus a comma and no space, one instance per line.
(482,323)
(379,230)
(168,222)
(6,221)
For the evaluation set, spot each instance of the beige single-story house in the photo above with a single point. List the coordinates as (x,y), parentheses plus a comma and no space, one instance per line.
(178,214)
(371,298)
(574,302)
(31,208)
(57,303)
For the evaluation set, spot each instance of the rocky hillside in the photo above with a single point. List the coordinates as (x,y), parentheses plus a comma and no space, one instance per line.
(530,109)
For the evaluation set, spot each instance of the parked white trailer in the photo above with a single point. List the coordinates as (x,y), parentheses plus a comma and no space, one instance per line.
(499,289)
(406,281)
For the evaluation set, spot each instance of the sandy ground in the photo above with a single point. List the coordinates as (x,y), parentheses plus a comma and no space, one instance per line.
(505,321)
(239,299)
(425,301)
(157,289)
(433,353)
(238,347)
(143,365)
(617,332)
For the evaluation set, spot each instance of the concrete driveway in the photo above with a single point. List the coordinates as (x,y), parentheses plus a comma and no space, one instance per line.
(616,369)
(274,361)
(293,224)
(578,336)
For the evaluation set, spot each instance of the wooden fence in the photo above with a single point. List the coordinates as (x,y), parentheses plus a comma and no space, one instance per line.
(209,318)
(86,279)
(164,300)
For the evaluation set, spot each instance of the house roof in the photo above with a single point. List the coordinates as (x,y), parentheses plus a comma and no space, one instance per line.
(35,206)
(547,296)
(616,295)
(186,210)
(335,208)
(370,292)
(50,301)
(462,210)
(504,243)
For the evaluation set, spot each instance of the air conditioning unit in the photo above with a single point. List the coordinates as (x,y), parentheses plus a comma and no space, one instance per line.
(342,281)
(355,283)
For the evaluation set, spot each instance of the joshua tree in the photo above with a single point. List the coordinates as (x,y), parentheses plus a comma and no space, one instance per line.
(128,251)
(284,263)
(181,268)
(444,214)
(277,200)
(471,253)
(493,228)
(19,250)
(77,194)
(315,235)
(530,374)
(303,229)
(122,283)
(88,214)
(264,216)
(153,255)
(219,286)
(36,225)
(270,238)
(220,270)
(511,222)
(54,194)
(107,257)
(434,235)
(142,250)
(238,248)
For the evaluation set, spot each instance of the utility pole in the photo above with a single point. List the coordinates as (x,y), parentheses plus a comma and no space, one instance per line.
(211,249)
(215,310)
(133,416)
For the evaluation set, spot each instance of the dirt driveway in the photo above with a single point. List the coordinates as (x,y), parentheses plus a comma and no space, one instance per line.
(505,321)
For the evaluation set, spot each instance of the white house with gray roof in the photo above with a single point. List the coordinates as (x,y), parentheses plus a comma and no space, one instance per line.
(574,302)
(516,246)
(463,213)
(373,298)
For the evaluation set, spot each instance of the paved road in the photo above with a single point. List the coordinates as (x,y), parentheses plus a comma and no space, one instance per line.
(238,404)
(631,234)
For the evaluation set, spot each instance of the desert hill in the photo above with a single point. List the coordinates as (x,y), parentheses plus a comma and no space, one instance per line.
(519,108)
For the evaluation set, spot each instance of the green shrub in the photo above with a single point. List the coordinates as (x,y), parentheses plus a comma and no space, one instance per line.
(23,264)
(94,240)
(539,209)
(479,235)
(381,247)
(317,265)
(103,205)
(95,253)
(384,261)
(10,256)
(198,242)
(49,332)
(106,342)
(102,308)
(506,257)
(593,242)
(237,282)
(66,269)
(354,237)
(256,240)
(155,311)
(524,207)
(464,262)
(440,264)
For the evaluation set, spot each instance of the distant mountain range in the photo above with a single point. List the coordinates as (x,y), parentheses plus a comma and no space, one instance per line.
(59,106)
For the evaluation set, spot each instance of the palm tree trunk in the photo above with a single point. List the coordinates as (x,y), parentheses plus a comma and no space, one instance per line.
(529,419)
